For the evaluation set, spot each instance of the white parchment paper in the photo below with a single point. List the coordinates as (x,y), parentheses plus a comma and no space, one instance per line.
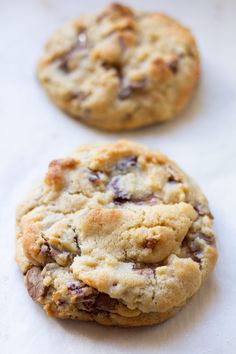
(202,141)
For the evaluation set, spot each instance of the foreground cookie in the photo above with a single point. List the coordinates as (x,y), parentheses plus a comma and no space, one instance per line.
(121,69)
(115,234)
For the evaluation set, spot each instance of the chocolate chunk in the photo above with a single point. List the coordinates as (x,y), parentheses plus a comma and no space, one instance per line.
(113,66)
(60,302)
(45,249)
(88,304)
(81,43)
(173,176)
(63,66)
(76,288)
(193,248)
(88,298)
(133,86)
(125,92)
(173,65)
(95,177)
(121,200)
(76,239)
(151,243)
(83,295)
(105,302)
(120,195)
(173,180)
(34,283)
(76,95)
(202,210)
(126,163)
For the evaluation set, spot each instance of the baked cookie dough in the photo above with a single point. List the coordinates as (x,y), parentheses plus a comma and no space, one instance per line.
(116,234)
(121,69)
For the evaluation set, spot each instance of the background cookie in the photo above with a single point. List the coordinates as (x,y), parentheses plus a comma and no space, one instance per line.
(116,234)
(121,69)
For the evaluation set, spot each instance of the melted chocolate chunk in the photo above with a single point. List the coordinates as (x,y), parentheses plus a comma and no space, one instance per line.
(133,86)
(45,249)
(78,95)
(76,239)
(126,163)
(173,180)
(76,288)
(116,67)
(34,283)
(120,196)
(88,303)
(193,249)
(88,299)
(125,92)
(105,302)
(81,43)
(173,65)
(64,64)
(121,200)
(95,177)
(173,175)
(60,302)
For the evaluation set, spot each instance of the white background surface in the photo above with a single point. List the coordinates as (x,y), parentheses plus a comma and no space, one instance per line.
(202,141)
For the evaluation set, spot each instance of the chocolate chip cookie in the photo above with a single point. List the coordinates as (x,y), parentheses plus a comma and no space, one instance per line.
(116,234)
(121,69)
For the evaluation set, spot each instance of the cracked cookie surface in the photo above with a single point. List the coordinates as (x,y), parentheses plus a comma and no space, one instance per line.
(117,234)
(121,69)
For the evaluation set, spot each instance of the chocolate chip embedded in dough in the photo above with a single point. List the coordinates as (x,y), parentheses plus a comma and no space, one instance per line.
(120,196)
(95,177)
(133,86)
(76,288)
(34,283)
(105,302)
(126,163)
(81,43)
(125,92)
(173,180)
(173,65)
(76,239)
(193,248)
